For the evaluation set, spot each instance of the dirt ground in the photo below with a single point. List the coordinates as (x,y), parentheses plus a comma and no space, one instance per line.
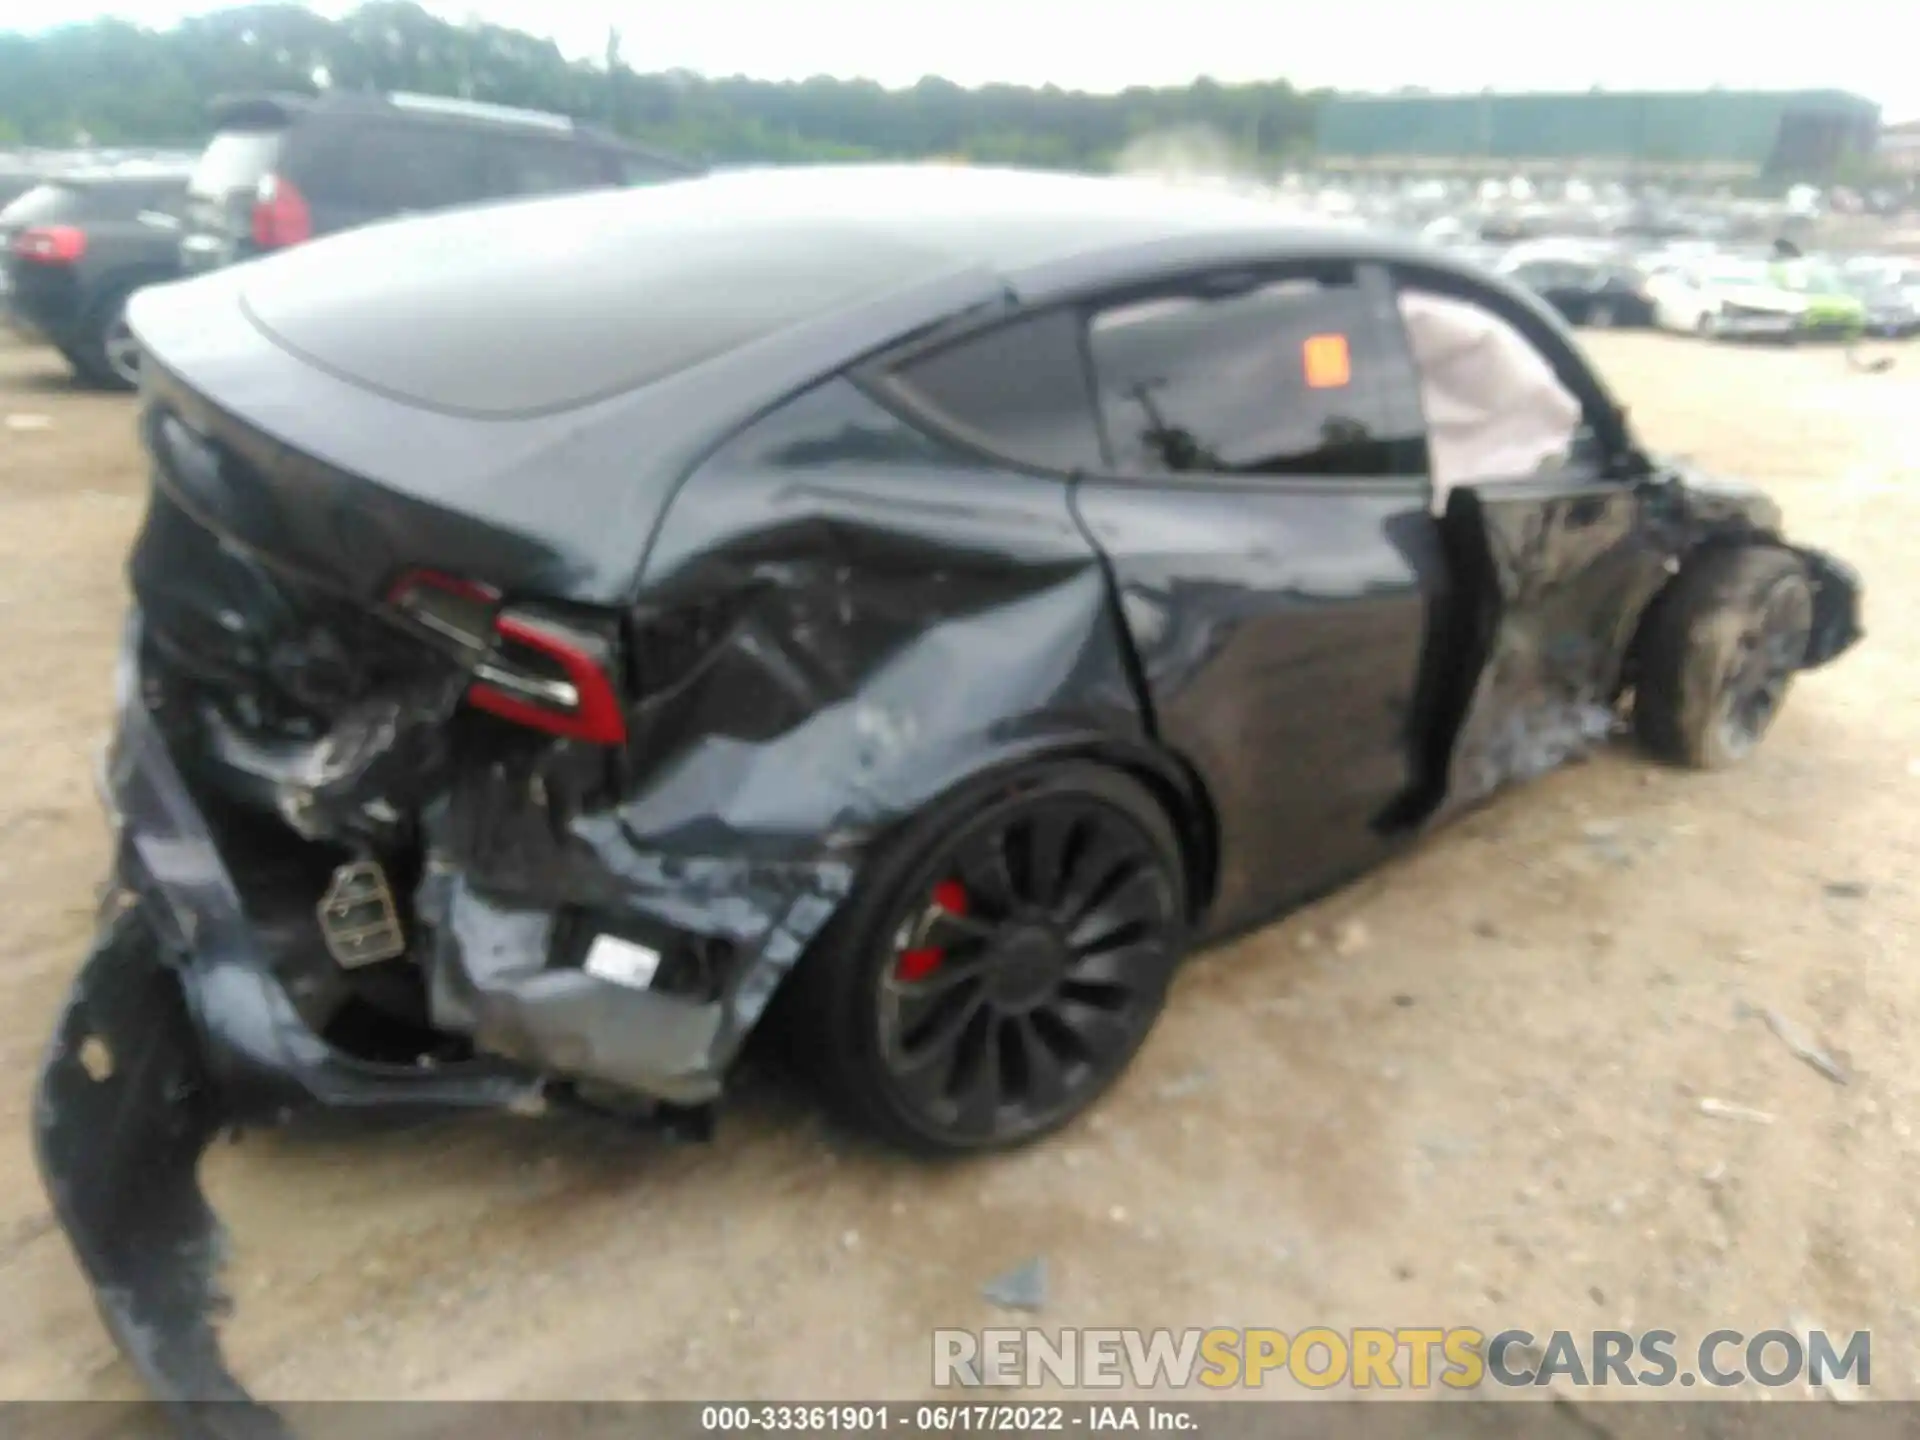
(1465,1091)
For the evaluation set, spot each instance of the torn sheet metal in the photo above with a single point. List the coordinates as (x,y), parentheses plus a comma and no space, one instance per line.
(1556,578)
(122,1114)
(1687,507)
(1837,625)
(1562,577)
(359,782)
(804,626)
(265,1059)
(179,1027)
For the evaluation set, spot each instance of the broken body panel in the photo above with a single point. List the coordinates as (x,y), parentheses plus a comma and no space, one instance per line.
(818,619)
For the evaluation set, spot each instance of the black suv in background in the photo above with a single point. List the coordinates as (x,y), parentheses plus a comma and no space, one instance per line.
(74,248)
(286,168)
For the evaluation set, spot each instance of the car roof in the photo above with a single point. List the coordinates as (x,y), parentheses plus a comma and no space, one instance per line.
(286,107)
(675,312)
(138,173)
(609,292)
(1041,233)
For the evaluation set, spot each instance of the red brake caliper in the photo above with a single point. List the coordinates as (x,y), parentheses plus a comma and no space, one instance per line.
(949,898)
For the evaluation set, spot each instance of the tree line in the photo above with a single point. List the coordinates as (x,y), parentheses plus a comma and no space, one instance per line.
(109,82)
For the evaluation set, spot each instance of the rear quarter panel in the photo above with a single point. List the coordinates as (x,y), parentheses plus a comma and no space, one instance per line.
(886,616)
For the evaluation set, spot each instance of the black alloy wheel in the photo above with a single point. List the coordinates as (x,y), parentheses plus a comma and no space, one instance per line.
(1011,967)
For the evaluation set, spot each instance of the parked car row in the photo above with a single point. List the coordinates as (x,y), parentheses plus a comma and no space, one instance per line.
(1589,285)
(1713,291)
(1730,296)
(75,248)
(280,169)
(22,169)
(283,169)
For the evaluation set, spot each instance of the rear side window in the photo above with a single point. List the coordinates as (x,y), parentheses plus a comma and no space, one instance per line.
(133,198)
(533,166)
(1272,377)
(127,199)
(645,169)
(1020,390)
(388,169)
(234,161)
(42,205)
(76,204)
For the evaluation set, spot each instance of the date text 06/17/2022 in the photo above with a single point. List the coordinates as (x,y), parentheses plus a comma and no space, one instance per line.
(945,1418)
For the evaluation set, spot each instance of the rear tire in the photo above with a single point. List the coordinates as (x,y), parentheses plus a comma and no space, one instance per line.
(1047,977)
(1717,652)
(108,358)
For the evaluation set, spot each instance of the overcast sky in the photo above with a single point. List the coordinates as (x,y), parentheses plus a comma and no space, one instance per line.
(1868,46)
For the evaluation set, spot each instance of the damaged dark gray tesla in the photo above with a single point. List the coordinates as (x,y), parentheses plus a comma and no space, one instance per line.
(911,605)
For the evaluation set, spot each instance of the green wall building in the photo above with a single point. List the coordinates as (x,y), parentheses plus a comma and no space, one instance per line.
(1797,133)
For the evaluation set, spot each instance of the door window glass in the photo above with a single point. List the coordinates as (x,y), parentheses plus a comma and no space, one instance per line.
(1253,377)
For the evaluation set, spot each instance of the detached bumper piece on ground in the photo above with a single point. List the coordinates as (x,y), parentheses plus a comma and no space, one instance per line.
(1039,580)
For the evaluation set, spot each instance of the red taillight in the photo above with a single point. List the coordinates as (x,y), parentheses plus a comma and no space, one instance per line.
(580,703)
(280,214)
(51,244)
(533,670)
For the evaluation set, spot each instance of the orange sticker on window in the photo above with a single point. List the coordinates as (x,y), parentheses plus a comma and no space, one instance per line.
(1329,365)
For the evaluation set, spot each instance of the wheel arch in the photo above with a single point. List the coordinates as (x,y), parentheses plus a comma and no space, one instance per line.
(1172,782)
(1178,787)
(817,1015)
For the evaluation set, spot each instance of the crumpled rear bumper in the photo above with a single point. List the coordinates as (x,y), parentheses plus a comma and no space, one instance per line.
(490,934)
(176,1030)
(122,1114)
(262,1059)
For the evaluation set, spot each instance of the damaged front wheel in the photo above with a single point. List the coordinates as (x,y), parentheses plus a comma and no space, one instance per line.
(1720,648)
(999,967)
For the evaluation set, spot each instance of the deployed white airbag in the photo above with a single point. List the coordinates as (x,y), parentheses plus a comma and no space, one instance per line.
(1495,409)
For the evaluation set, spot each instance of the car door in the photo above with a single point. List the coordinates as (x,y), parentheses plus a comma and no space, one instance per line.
(1551,556)
(1266,518)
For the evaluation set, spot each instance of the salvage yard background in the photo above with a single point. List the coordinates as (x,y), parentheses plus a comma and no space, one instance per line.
(1474,1089)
